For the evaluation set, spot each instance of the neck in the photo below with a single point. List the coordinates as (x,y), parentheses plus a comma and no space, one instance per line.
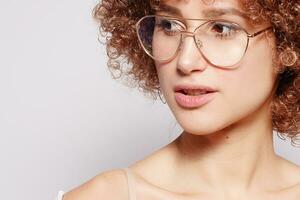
(238,157)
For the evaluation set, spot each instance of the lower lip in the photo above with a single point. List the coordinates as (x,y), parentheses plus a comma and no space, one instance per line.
(188,101)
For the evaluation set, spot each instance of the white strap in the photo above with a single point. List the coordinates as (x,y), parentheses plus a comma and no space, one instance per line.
(60,195)
(131,186)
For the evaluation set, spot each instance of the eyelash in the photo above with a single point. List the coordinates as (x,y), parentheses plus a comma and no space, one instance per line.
(232,29)
(161,24)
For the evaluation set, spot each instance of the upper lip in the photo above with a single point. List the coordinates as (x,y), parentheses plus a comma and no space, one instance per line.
(179,88)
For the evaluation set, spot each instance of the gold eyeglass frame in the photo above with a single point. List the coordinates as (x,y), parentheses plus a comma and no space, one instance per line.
(192,34)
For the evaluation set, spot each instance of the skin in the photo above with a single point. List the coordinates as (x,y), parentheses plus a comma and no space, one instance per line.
(226,149)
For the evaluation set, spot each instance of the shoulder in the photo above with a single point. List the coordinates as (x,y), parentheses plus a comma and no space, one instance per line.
(295,190)
(292,172)
(291,180)
(110,184)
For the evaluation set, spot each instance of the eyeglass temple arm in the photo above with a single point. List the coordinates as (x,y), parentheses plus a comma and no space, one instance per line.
(258,32)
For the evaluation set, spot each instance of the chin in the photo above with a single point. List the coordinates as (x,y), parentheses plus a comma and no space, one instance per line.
(203,131)
(202,127)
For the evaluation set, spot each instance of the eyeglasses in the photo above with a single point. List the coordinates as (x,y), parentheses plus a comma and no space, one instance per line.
(222,43)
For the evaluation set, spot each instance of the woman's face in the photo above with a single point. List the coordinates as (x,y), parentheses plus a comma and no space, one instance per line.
(240,92)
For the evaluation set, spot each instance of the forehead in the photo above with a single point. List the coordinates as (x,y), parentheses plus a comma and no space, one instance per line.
(197,8)
(203,2)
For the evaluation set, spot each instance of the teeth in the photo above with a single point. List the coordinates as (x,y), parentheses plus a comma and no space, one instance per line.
(194,92)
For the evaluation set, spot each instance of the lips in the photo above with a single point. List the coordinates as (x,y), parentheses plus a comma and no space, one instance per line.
(193,96)
(194,90)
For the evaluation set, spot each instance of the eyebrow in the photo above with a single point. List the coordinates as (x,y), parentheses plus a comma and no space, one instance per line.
(210,13)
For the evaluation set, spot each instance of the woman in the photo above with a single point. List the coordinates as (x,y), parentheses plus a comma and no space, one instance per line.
(229,71)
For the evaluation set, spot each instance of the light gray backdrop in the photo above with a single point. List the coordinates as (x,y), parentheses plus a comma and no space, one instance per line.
(63,119)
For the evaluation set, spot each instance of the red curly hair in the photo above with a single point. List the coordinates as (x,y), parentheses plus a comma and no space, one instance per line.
(117,19)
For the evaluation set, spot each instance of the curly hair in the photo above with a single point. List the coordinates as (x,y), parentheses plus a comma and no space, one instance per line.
(117,19)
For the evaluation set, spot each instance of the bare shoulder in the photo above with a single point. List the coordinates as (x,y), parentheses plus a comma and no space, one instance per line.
(110,184)
(292,172)
(296,188)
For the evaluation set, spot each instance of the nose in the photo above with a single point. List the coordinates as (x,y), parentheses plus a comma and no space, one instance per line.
(190,58)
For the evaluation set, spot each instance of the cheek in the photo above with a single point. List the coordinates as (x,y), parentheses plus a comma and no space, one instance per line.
(253,81)
(242,91)
(160,74)
(166,73)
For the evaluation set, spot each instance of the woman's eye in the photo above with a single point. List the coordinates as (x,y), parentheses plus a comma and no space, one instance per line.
(170,27)
(224,30)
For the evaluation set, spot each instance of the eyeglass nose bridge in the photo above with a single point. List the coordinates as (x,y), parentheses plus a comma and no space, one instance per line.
(188,33)
(191,34)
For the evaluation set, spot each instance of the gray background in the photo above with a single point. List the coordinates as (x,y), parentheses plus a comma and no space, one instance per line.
(63,119)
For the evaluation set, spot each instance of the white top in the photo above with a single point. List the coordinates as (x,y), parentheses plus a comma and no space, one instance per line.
(60,195)
(130,182)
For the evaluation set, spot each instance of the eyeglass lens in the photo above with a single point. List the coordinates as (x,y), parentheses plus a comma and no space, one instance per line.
(222,43)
